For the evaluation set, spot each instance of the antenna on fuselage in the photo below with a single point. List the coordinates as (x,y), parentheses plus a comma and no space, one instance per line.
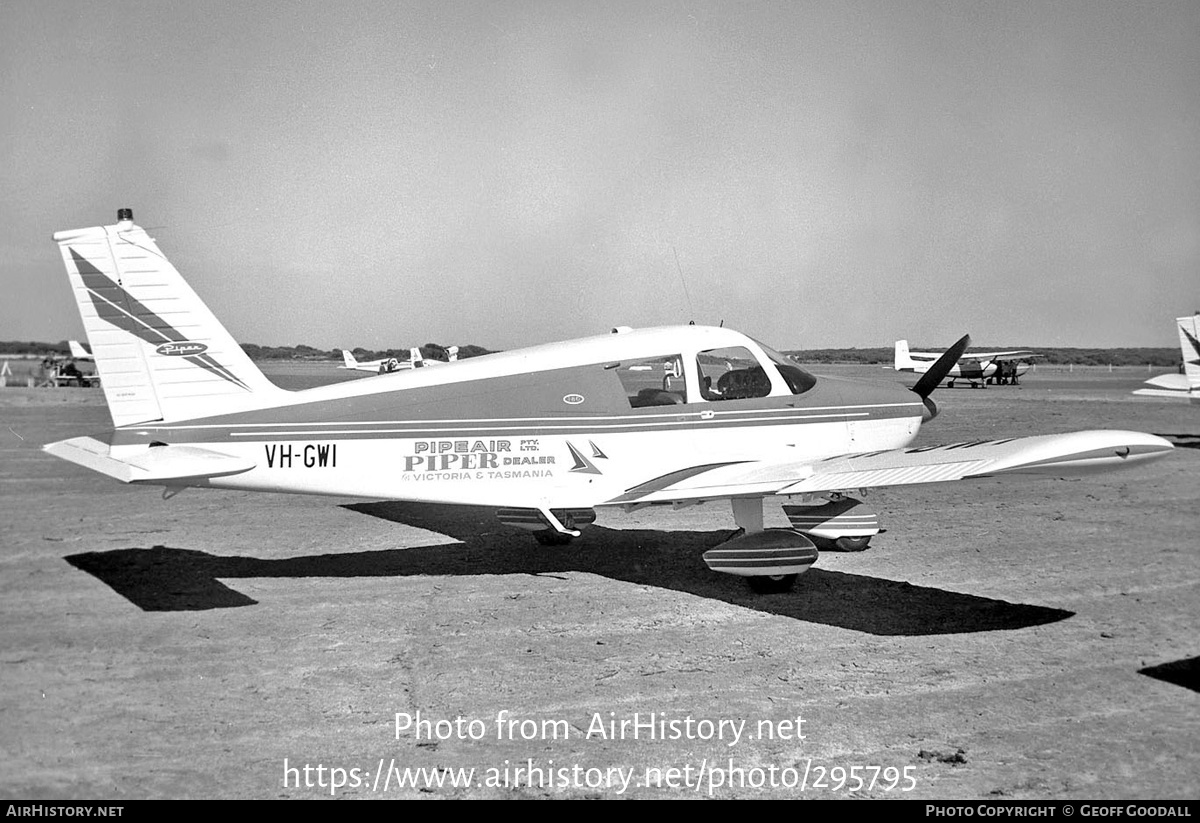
(683,280)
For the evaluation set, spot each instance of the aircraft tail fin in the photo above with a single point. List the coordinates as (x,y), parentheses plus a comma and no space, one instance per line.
(904,361)
(78,351)
(414,357)
(160,352)
(1189,344)
(349,360)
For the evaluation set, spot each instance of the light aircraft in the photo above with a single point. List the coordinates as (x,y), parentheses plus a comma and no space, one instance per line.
(1187,385)
(390,364)
(546,435)
(78,352)
(977,368)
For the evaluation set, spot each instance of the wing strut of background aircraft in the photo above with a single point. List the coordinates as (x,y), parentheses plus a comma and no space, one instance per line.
(1184,386)
(977,368)
(547,435)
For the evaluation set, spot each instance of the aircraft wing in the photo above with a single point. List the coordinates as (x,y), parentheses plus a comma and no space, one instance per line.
(1053,454)
(157,464)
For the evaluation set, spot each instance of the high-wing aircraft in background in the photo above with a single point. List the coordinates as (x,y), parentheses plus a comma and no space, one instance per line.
(1184,386)
(78,352)
(390,364)
(546,435)
(977,368)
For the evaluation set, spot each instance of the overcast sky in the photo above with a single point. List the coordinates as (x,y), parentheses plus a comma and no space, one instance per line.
(386,174)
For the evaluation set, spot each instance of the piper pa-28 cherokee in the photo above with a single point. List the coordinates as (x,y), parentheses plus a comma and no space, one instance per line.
(548,434)
(977,368)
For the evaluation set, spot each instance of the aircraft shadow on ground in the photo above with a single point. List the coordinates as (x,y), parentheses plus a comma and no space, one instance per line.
(171,579)
(1185,672)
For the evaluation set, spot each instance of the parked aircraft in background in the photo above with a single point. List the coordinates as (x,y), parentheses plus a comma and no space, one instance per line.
(349,362)
(546,435)
(977,368)
(1184,386)
(78,352)
(391,364)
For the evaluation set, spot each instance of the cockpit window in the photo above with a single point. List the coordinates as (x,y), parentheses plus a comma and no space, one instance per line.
(653,381)
(798,380)
(731,373)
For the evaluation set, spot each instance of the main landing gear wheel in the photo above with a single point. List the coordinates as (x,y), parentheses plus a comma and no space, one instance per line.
(772,584)
(851,544)
(841,544)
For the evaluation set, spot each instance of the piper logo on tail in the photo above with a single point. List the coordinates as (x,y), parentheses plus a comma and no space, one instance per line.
(121,309)
(181,349)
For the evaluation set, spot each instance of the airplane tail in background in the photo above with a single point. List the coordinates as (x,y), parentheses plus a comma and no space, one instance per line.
(1186,385)
(348,358)
(904,361)
(1189,344)
(160,352)
(414,357)
(78,351)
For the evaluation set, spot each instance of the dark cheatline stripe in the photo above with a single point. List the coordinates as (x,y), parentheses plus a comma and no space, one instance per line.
(121,309)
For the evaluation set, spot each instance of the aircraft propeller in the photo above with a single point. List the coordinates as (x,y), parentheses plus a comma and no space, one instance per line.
(933,378)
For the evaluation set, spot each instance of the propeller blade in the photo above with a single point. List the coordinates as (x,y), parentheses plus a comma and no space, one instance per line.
(931,379)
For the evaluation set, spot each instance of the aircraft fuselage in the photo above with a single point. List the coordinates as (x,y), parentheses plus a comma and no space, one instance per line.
(569,433)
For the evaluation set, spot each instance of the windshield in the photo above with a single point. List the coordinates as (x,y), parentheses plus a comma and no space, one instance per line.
(798,380)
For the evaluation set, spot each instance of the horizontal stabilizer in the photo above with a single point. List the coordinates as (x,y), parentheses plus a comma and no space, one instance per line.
(156,464)
(1174,382)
